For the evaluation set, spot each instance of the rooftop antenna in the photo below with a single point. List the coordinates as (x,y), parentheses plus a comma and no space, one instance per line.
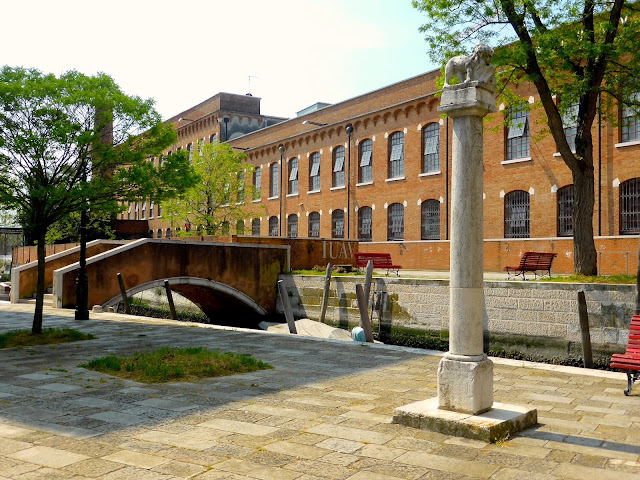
(250,77)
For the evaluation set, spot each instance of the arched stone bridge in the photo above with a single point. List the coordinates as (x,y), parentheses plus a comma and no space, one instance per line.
(233,284)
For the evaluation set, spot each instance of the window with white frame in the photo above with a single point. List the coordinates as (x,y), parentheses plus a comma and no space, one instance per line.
(144,211)
(396,155)
(314,224)
(337,224)
(365,170)
(292,226)
(518,132)
(631,119)
(430,211)
(224,228)
(314,172)
(338,167)
(257,183)
(240,227)
(365,220)
(255,227)
(570,123)
(395,222)
(213,139)
(431,148)
(516,214)
(274,179)
(190,152)
(293,176)
(240,192)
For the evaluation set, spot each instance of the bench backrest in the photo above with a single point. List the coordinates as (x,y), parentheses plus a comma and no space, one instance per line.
(378,259)
(633,346)
(536,261)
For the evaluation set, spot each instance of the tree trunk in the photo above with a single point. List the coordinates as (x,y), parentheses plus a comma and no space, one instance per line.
(37,315)
(585,259)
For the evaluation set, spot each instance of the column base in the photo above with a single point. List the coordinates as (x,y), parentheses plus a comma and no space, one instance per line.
(496,424)
(465,383)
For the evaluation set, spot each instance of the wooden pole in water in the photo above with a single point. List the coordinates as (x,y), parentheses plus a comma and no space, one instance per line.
(172,307)
(364,314)
(367,281)
(286,305)
(325,293)
(584,330)
(123,292)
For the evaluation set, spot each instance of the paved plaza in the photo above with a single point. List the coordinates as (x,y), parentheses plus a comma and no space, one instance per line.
(323,412)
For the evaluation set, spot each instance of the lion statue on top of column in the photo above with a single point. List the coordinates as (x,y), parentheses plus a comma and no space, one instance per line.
(472,68)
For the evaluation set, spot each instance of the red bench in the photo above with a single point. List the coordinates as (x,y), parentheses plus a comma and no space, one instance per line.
(536,262)
(380,260)
(630,360)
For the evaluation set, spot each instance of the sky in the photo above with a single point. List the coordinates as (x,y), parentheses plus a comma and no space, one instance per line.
(291,53)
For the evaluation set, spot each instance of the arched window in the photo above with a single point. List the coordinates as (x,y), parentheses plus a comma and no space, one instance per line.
(314,172)
(365,218)
(240,227)
(314,224)
(518,132)
(255,227)
(292,225)
(365,170)
(337,224)
(396,155)
(565,211)
(257,183)
(570,122)
(430,220)
(431,148)
(273,226)
(159,233)
(240,192)
(293,176)
(338,166)
(630,207)
(274,179)
(190,151)
(395,222)
(516,214)
(168,233)
(150,235)
(224,228)
(213,138)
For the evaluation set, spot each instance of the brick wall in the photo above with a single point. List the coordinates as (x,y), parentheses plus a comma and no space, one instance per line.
(512,308)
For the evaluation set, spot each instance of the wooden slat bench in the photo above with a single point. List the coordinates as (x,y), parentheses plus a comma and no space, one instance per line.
(630,360)
(538,263)
(380,260)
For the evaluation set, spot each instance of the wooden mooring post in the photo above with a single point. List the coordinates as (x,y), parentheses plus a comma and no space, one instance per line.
(123,292)
(584,330)
(172,307)
(325,293)
(363,304)
(286,306)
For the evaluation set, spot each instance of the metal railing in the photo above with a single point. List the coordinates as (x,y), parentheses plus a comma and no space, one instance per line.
(617,263)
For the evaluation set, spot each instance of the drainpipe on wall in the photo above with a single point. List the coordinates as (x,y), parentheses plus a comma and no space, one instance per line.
(446,185)
(349,132)
(281,193)
(599,166)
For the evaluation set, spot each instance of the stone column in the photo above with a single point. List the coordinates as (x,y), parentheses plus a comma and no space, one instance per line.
(465,374)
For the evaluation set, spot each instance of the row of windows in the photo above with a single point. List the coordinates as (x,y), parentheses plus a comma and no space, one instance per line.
(516,217)
(395,216)
(138,211)
(430,164)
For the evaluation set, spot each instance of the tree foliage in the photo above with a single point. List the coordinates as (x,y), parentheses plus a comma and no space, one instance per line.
(218,199)
(576,52)
(71,140)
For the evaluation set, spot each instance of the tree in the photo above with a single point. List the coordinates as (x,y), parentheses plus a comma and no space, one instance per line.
(217,200)
(74,140)
(580,52)
(67,229)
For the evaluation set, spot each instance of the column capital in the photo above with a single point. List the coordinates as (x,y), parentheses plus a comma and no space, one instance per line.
(471,98)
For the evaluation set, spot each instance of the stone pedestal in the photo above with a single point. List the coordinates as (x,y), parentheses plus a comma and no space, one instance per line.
(465,374)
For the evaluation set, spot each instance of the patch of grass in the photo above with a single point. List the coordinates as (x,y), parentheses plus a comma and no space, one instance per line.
(168,364)
(576,278)
(24,338)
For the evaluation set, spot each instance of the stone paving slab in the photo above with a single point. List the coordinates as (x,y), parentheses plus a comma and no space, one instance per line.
(323,412)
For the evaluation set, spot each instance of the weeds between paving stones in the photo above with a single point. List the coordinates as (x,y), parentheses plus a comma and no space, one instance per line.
(167,364)
(49,336)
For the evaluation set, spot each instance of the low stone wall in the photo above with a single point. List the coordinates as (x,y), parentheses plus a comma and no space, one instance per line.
(511,307)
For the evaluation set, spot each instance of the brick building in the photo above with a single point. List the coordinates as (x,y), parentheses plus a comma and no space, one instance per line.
(377,168)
